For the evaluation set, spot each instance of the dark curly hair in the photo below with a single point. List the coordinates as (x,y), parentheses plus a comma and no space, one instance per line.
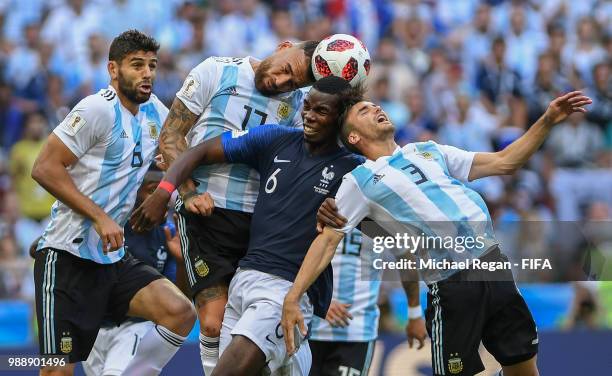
(131,41)
(347,96)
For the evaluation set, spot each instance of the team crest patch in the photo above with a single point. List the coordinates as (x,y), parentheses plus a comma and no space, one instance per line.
(66,344)
(455,365)
(201,268)
(153,130)
(283,111)
(427,155)
(327,175)
(190,86)
(74,122)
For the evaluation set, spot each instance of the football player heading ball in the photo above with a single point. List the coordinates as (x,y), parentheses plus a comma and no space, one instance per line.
(236,94)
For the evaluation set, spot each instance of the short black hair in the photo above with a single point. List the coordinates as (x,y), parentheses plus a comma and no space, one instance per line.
(348,96)
(131,41)
(309,48)
(332,85)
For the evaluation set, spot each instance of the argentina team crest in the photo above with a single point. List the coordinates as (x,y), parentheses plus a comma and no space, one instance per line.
(153,130)
(426,155)
(201,268)
(66,343)
(283,111)
(455,365)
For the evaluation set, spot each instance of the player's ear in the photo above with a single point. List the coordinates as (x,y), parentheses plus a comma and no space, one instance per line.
(283,45)
(113,69)
(353,138)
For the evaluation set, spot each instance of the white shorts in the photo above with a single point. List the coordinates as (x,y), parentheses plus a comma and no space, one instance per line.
(254,310)
(114,348)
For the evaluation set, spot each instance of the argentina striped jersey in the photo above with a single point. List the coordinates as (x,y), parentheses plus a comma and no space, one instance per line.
(114,150)
(221,91)
(419,190)
(356,283)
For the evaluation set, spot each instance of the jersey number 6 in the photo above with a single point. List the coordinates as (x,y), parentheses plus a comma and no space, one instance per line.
(137,155)
(272,181)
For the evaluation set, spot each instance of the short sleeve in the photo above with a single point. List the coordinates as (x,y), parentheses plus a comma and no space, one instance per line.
(247,146)
(458,161)
(297,121)
(351,202)
(199,86)
(89,122)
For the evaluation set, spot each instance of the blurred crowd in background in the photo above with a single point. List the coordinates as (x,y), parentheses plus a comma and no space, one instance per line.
(473,74)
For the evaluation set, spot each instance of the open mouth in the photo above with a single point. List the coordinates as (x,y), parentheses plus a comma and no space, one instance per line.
(145,88)
(381,118)
(309,131)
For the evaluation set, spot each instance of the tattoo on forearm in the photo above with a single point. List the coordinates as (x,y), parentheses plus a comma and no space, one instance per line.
(177,125)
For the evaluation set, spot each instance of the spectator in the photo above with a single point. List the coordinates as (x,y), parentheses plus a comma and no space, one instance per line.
(548,84)
(476,43)
(575,143)
(10,117)
(34,201)
(600,111)
(419,122)
(466,131)
(586,51)
(494,79)
(24,61)
(412,33)
(523,46)
(387,64)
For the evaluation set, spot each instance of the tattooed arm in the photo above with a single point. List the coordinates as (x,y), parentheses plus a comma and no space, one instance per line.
(172,137)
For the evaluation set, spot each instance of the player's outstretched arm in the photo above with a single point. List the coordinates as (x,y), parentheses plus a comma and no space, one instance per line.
(513,157)
(50,172)
(317,258)
(151,212)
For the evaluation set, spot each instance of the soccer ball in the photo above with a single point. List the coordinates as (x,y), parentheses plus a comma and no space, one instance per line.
(341,55)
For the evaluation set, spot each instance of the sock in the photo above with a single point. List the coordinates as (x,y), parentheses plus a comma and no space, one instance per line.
(500,373)
(155,349)
(209,353)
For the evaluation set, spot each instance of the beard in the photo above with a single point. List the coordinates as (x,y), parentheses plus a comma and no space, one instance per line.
(260,76)
(131,90)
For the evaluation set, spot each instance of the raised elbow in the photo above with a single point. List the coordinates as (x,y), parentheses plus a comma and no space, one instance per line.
(37,172)
(40,171)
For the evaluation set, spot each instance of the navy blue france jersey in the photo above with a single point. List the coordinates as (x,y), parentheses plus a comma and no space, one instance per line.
(293,184)
(150,248)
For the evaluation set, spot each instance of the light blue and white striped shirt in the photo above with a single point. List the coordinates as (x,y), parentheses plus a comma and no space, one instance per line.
(419,191)
(222,92)
(356,283)
(114,150)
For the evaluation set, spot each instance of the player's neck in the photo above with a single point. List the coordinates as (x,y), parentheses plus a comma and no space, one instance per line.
(379,149)
(125,102)
(321,148)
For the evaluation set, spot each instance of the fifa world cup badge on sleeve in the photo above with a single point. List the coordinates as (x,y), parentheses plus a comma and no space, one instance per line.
(74,122)
(190,86)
